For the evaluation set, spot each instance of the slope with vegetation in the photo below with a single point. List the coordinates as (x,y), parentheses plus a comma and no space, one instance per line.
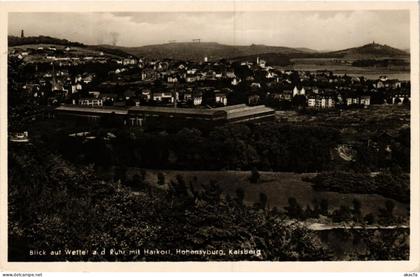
(76,210)
(15,42)
(212,50)
(217,51)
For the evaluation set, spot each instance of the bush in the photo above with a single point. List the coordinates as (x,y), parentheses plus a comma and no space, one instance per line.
(240,195)
(138,182)
(386,184)
(324,207)
(341,214)
(294,210)
(161,179)
(255,176)
(369,219)
(263,200)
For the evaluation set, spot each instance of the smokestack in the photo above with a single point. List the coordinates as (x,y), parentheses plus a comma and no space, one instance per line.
(22,34)
(114,36)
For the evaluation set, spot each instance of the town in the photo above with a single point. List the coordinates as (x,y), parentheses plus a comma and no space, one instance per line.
(99,83)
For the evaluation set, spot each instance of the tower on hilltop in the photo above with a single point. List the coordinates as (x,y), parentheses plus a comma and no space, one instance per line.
(22,34)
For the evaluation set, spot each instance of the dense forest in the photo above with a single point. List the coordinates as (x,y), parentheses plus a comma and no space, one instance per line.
(268,146)
(75,210)
(393,184)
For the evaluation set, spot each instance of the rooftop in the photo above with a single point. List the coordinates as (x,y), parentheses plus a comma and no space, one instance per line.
(173,110)
(85,109)
(229,112)
(248,111)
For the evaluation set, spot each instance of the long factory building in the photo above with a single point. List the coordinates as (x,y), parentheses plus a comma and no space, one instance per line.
(188,117)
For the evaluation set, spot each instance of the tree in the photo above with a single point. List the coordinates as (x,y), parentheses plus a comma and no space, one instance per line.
(356,207)
(137,182)
(240,195)
(255,175)
(324,207)
(293,210)
(389,207)
(385,246)
(309,212)
(121,173)
(143,175)
(299,101)
(341,214)
(263,200)
(369,218)
(161,179)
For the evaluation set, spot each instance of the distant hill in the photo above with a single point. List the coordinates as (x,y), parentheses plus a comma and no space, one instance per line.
(197,51)
(216,51)
(17,41)
(307,50)
(371,50)
(14,41)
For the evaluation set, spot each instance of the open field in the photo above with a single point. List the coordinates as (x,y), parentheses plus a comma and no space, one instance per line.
(278,186)
(331,64)
(74,52)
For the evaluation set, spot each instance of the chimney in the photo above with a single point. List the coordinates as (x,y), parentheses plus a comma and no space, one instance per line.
(22,34)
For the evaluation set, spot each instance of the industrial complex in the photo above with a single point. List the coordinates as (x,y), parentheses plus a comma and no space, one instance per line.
(185,117)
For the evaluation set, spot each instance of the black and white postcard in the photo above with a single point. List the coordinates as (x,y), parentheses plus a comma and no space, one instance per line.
(229,133)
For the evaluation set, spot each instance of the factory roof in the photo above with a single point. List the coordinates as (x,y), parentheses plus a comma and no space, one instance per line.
(85,109)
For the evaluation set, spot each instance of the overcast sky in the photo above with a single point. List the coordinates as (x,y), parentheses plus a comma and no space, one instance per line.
(312,29)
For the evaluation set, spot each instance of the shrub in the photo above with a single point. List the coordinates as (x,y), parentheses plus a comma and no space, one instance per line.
(161,179)
(386,184)
(255,176)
